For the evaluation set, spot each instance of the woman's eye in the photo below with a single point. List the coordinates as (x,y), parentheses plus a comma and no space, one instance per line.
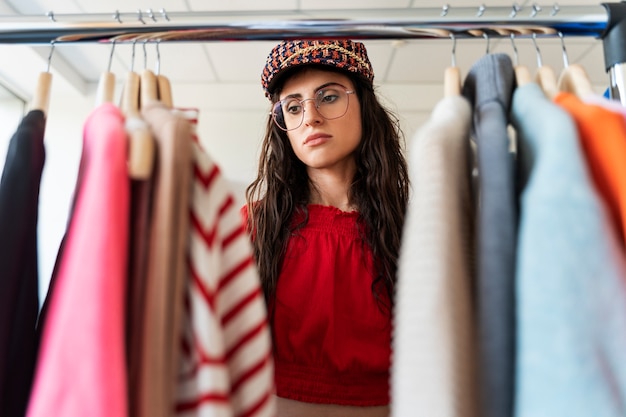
(293,107)
(328,96)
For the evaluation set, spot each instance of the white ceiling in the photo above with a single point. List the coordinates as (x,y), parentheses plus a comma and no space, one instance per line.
(241,62)
(224,77)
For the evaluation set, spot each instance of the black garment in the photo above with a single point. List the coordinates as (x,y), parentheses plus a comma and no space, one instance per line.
(489,87)
(19,301)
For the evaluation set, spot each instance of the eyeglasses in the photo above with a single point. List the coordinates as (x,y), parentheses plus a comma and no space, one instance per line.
(331,102)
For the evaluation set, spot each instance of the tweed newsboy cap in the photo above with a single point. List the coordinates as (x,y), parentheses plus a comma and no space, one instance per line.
(342,54)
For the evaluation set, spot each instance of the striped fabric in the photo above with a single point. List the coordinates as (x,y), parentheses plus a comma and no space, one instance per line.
(226,367)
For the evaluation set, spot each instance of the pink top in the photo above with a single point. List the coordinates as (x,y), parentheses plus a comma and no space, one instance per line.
(81,364)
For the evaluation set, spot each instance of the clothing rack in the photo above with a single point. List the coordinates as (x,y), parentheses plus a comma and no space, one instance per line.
(606,21)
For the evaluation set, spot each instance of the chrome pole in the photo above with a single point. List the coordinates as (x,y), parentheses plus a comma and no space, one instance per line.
(397,23)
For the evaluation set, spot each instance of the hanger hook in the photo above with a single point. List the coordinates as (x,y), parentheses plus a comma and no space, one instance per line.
(539,60)
(151,15)
(140,16)
(117,17)
(50,55)
(487,39)
(145,54)
(536,9)
(481,10)
(111,56)
(453,49)
(565,58)
(514,10)
(132,60)
(158,61)
(514,49)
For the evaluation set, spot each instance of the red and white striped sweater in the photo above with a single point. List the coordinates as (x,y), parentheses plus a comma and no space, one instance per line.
(226,361)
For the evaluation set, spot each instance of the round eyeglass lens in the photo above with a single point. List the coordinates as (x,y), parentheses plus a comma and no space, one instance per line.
(330,102)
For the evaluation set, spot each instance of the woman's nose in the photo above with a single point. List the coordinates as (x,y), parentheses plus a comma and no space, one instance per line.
(311,113)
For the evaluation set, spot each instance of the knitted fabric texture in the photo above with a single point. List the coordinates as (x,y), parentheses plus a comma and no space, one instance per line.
(342,54)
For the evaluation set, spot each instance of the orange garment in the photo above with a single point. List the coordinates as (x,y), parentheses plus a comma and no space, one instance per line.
(603,137)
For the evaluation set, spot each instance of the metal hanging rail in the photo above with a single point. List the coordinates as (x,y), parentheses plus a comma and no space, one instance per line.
(606,21)
(398,23)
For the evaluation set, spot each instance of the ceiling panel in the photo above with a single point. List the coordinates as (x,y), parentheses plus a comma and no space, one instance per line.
(362,4)
(35,7)
(203,5)
(182,61)
(238,61)
(110,6)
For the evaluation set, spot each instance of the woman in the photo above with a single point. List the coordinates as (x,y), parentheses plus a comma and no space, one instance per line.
(325,214)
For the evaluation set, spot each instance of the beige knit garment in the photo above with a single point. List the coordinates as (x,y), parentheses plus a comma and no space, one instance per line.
(433,365)
(166,269)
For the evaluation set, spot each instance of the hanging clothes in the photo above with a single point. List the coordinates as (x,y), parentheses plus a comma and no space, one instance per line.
(433,362)
(163,298)
(19,300)
(226,368)
(571,296)
(81,363)
(603,138)
(141,192)
(489,87)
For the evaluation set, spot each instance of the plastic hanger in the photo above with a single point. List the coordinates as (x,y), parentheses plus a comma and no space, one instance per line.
(41,97)
(141,147)
(106,84)
(452,75)
(573,78)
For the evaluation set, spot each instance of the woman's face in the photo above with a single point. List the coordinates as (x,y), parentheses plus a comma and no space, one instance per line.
(321,143)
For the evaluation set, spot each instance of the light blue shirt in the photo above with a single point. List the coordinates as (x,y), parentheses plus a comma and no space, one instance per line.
(570,278)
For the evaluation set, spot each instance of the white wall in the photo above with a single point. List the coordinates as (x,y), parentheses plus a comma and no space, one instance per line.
(232,138)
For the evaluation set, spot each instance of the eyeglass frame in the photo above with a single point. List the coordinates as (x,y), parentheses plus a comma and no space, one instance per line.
(348,92)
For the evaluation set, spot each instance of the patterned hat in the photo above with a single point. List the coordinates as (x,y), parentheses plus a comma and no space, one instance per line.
(343,54)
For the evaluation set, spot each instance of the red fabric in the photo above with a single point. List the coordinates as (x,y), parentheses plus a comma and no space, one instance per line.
(332,340)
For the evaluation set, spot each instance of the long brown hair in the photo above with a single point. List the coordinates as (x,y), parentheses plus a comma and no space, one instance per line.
(379,191)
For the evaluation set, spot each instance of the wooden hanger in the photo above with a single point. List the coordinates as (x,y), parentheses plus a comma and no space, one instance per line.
(452,75)
(573,78)
(106,84)
(522,74)
(546,78)
(545,75)
(165,91)
(141,146)
(149,88)
(41,96)
(164,86)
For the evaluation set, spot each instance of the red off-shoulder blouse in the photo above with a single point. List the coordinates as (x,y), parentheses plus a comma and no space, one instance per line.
(332,339)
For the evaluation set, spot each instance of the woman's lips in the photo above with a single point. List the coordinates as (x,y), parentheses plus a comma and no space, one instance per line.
(316,139)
